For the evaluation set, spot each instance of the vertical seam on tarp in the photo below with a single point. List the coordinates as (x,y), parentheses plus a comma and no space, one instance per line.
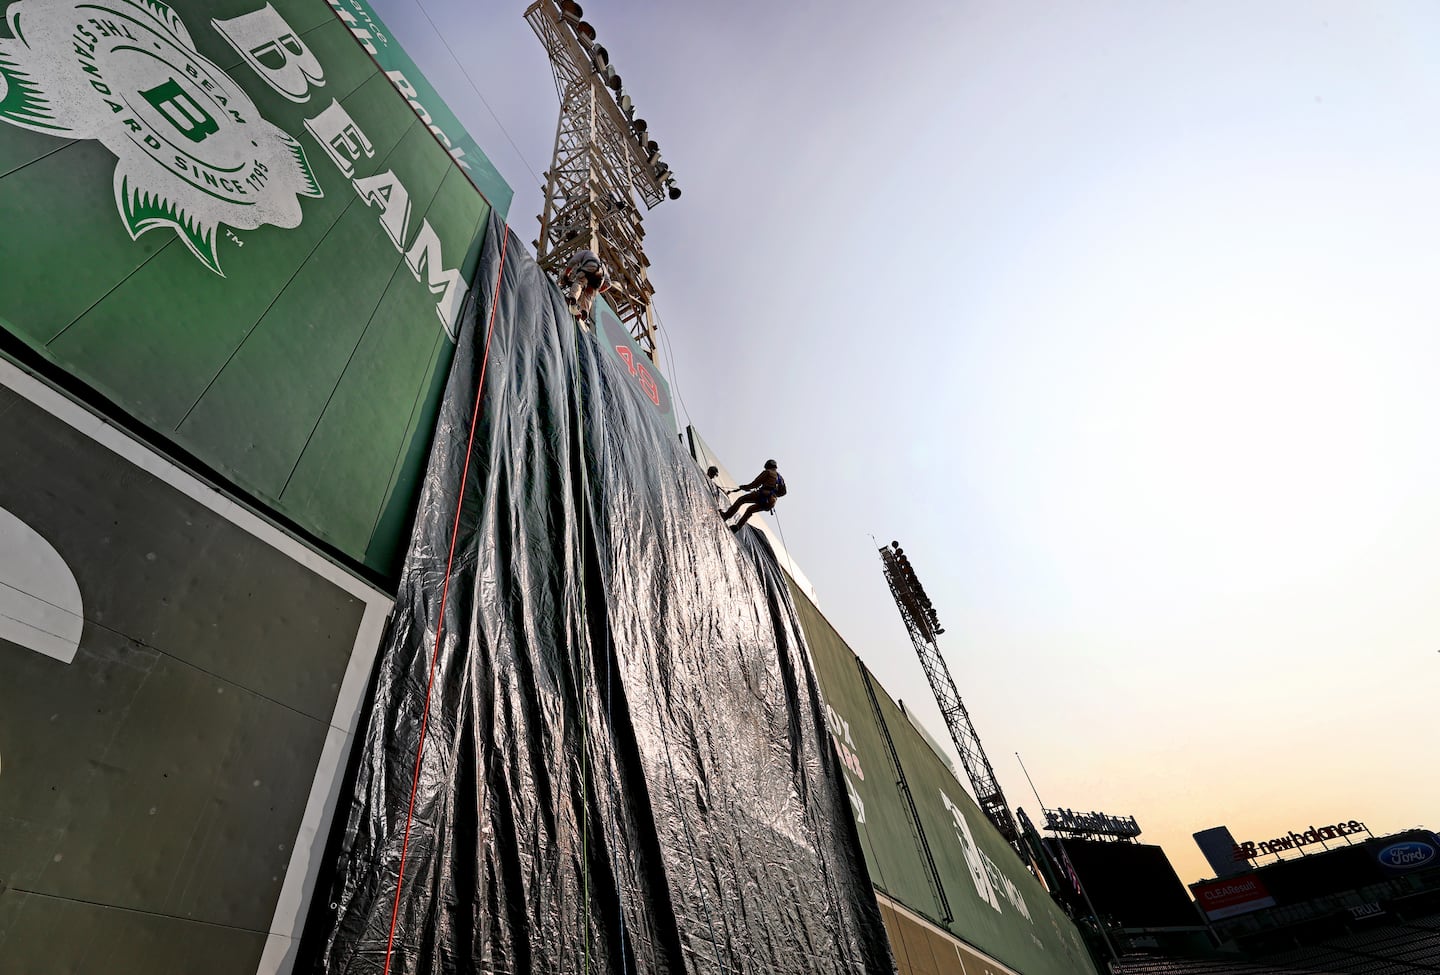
(669,760)
(611,846)
(444,592)
(584,652)
(602,434)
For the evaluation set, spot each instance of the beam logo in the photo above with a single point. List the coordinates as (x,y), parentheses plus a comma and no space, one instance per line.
(990,881)
(192,152)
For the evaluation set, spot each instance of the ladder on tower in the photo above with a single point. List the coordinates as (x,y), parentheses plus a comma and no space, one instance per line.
(923,623)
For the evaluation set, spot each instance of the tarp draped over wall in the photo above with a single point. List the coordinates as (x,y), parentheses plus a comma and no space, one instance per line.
(624,763)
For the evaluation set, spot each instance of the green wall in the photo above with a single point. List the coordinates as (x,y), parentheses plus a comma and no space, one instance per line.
(380,44)
(156,783)
(185,234)
(994,902)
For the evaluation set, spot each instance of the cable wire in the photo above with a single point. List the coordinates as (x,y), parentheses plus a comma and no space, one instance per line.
(444,592)
(584,627)
(609,710)
(674,367)
(476,88)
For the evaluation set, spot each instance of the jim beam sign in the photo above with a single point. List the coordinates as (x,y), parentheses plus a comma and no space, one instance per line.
(193,154)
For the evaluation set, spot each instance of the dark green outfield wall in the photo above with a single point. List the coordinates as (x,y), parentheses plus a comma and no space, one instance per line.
(162,782)
(223,218)
(993,901)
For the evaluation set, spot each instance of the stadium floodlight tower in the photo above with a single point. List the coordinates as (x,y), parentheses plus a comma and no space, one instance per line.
(923,622)
(604,160)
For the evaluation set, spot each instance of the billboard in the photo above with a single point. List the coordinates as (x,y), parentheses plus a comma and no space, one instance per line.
(179,682)
(1251,849)
(1412,851)
(927,845)
(618,343)
(1220,899)
(1091,824)
(405,75)
(224,221)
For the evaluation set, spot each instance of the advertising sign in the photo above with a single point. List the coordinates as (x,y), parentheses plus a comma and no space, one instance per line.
(405,75)
(1091,824)
(225,220)
(1249,850)
(1411,854)
(618,343)
(1227,898)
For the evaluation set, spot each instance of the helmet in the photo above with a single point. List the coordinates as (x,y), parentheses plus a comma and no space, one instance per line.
(770,465)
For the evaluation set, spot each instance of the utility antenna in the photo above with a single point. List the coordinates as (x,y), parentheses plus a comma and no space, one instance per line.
(604,160)
(924,625)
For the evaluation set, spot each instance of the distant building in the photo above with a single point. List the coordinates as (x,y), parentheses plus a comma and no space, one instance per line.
(1308,898)
(1136,893)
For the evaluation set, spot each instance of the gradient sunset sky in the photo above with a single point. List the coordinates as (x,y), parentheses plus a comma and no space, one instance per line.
(1121,317)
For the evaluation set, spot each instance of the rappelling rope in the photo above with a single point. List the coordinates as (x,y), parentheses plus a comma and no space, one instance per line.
(444,593)
(609,714)
(584,628)
(783,543)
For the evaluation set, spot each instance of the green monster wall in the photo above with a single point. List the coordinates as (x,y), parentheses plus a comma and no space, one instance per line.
(226,221)
(993,901)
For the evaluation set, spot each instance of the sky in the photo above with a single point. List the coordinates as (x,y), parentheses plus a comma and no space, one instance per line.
(1120,317)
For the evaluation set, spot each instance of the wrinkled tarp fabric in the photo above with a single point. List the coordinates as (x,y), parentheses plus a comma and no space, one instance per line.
(625,766)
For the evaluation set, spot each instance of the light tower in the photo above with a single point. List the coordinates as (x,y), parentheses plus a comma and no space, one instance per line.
(604,160)
(924,625)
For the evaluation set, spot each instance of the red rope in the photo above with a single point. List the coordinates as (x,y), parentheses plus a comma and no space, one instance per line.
(444,593)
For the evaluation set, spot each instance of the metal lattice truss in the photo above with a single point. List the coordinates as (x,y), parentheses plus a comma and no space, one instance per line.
(957,720)
(602,164)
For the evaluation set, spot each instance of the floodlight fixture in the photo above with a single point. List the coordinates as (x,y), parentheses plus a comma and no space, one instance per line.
(603,152)
(923,625)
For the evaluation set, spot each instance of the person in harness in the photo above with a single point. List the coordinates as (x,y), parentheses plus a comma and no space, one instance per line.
(765,490)
(584,277)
